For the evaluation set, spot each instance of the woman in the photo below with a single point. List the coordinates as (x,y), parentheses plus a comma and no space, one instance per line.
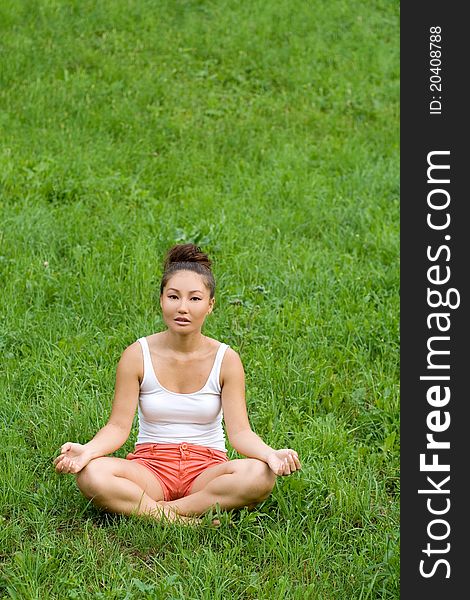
(181,382)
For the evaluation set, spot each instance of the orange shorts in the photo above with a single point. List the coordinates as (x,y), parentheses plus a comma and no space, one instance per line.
(176,466)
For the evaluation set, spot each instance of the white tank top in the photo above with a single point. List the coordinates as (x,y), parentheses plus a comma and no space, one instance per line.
(167,417)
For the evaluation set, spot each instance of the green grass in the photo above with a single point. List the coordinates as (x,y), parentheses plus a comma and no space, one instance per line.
(267,132)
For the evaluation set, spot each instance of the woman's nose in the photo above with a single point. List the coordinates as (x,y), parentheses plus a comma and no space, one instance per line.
(182,306)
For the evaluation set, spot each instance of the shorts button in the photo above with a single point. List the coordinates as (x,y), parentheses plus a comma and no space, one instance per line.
(184,446)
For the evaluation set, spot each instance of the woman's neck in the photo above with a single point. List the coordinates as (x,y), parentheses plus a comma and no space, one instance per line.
(184,344)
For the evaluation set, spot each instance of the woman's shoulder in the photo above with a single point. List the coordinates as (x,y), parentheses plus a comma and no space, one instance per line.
(132,351)
(131,360)
(215,344)
(232,366)
(229,354)
(153,339)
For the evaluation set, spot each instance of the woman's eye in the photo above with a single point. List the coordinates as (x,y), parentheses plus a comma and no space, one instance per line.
(195,298)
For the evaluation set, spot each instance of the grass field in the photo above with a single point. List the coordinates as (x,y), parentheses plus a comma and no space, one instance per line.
(267,132)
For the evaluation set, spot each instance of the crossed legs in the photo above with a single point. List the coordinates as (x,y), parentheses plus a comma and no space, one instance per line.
(127,487)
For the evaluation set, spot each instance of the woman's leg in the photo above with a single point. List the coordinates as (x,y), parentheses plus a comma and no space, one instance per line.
(233,484)
(119,485)
(125,487)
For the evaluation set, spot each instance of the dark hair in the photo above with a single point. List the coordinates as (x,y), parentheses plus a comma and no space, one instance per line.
(188,257)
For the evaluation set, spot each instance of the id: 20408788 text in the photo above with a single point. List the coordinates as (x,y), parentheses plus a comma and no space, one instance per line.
(435,62)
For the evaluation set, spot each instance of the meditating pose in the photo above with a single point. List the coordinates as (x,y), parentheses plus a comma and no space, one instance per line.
(183,384)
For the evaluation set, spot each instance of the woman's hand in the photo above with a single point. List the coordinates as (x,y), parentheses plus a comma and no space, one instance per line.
(284,462)
(72,458)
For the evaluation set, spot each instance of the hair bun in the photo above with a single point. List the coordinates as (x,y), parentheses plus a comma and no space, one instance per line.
(186,253)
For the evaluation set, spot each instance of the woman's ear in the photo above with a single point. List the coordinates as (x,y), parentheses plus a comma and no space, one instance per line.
(211,305)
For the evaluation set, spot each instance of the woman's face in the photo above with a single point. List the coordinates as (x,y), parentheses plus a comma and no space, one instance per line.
(185,302)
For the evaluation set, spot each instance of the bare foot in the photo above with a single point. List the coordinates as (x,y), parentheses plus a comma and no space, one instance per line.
(165,512)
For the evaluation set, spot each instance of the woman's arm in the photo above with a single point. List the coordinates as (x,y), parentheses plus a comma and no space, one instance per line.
(74,457)
(240,435)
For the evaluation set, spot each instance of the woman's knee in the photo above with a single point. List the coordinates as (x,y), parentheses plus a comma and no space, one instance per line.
(92,478)
(261,479)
